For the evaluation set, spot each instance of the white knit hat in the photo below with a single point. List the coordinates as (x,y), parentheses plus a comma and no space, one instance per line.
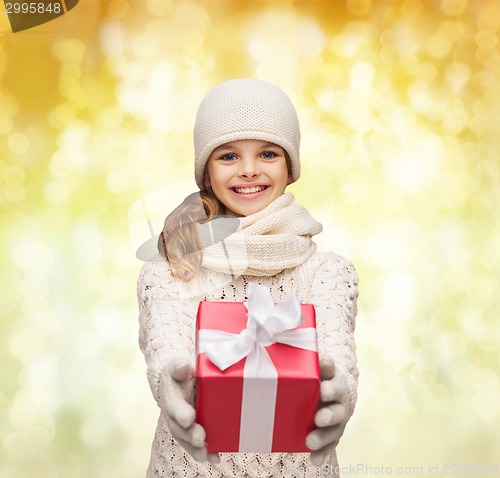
(245,109)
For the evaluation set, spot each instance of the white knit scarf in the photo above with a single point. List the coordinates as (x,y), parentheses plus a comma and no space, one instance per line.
(264,243)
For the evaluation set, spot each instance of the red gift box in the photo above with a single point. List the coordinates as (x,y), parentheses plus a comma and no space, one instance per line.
(268,407)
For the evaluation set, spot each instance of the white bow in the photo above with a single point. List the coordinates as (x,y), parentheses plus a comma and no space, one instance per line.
(267,323)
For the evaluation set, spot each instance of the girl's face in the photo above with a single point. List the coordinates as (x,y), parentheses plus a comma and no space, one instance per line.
(247,175)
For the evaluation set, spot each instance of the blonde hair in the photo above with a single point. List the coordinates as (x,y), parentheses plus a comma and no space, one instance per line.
(179,241)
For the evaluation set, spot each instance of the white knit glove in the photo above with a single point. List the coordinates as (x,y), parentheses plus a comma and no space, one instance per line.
(176,398)
(331,418)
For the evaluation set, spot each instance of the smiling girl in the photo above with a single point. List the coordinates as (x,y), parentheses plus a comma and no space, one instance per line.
(243,227)
(247,175)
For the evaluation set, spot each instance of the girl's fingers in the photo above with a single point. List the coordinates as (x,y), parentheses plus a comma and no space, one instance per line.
(326,366)
(199,454)
(322,437)
(327,391)
(333,390)
(181,411)
(181,369)
(195,434)
(213,458)
(174,403)
(172,397)
(330,416)
(318,457)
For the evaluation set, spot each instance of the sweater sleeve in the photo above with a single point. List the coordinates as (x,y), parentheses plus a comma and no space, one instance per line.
(166,323)
(334,293)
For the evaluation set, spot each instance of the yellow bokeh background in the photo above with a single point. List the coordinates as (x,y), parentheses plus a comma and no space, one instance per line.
(399,103)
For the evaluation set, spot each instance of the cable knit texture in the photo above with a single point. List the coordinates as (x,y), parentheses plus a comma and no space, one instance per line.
(168,310)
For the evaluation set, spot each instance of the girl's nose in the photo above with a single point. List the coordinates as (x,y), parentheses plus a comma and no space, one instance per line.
(249,168)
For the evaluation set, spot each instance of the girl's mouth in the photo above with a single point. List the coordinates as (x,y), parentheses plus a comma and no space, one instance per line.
(251,192)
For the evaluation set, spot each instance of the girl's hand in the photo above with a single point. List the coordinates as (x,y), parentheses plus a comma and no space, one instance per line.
(176,388)
(331,418)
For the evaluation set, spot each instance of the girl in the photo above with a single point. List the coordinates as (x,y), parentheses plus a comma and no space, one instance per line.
(243,227)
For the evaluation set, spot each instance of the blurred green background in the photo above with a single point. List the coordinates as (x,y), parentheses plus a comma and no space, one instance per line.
(399,103)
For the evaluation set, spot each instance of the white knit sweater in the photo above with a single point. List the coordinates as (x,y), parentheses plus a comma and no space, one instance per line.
(167,326)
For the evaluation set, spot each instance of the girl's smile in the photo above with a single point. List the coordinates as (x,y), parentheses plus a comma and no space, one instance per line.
(249,191)
(247,175)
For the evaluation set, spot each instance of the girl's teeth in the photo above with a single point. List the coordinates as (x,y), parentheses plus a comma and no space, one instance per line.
(249,190)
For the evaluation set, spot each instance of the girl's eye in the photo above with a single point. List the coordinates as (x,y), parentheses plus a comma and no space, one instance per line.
(228,157)
(268,154)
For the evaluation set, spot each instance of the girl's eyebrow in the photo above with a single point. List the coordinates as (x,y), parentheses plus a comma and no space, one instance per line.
(224,147)
(270,145)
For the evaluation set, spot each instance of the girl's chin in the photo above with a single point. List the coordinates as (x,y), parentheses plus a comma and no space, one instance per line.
(248,208)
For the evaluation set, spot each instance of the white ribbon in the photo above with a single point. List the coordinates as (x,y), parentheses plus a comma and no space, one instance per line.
(267,323)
